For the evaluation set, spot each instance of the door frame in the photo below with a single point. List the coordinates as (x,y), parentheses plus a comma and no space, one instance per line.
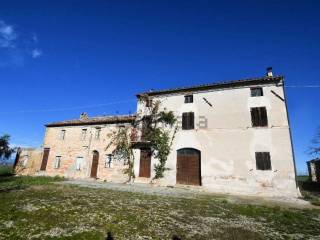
(149,172)
(199,156)
(42,166)
(95,154)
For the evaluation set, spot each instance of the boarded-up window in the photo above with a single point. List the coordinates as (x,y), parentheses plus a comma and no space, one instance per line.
(259,117)
(263,161)
(79,161)
(57,162)
(188,99)
(188,120)
(256,92)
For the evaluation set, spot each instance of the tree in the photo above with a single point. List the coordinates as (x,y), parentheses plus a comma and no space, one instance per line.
(314,149)
(121,139)
(5,149)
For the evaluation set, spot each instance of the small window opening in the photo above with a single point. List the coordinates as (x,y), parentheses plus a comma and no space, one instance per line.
(62,134)
(188,99)
(109,160)
(57,162)
(256,92)
(83,134)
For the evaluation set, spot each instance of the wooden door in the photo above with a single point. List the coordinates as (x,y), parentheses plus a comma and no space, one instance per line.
(94,166)
(188,166)
(145,163)
(45,159)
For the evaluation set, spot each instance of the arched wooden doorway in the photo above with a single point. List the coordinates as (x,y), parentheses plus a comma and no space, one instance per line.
(94,166)
(189,166)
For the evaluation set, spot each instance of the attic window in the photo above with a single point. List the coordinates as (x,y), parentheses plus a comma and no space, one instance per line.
(256,92)
(188,99)
(83,134)
(62,134)
(97,133)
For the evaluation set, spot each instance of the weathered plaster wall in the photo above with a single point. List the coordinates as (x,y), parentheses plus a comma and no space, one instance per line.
(29,161)
(229,142)
(73,146)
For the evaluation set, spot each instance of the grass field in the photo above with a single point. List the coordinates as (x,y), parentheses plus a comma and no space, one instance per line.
(36,208)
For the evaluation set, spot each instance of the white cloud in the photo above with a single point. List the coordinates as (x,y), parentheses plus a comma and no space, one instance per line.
(7,35)
(16,47)
(36,53)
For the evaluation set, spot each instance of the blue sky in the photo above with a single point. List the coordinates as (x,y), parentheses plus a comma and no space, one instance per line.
(59,58)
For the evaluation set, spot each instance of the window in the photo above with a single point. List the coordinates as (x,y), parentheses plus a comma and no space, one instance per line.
(62,134)
(83,134)
(259,117)
(25,160)
(108,162)
(57,162)
(188,99)
(187,120)
(79,161)
(97,134)
(263,161)
(256,92)
(148,102)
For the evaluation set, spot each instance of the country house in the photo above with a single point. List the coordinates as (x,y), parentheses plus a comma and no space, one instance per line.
(233,137)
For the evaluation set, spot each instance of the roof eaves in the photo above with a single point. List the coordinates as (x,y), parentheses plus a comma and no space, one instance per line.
(218,85)
(93,121)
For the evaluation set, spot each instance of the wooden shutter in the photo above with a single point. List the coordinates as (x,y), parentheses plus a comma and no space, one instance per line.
(184,120)
(191,120)
(263,161)
(255,117)
(259,117)
(263,117)
(188,120)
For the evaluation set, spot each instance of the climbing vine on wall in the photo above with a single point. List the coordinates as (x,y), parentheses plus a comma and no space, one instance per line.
(156,128)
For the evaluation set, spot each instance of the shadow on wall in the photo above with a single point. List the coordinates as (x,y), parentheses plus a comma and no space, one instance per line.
(110,237)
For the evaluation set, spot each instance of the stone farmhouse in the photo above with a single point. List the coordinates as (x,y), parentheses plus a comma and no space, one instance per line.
(234,137)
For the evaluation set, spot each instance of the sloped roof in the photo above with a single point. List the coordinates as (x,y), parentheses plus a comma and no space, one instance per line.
(217,85)
(94,121)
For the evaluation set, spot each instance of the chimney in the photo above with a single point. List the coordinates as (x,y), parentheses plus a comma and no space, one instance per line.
(269,72)
(84,116)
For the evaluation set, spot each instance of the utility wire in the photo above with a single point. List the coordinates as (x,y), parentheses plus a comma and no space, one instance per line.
(70,108)
(305,86)
(117,102)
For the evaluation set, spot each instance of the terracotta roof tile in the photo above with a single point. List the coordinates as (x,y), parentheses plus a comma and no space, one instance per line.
(94,120)
(217,85)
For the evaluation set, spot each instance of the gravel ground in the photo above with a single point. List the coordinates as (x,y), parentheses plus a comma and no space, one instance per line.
(189,192)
